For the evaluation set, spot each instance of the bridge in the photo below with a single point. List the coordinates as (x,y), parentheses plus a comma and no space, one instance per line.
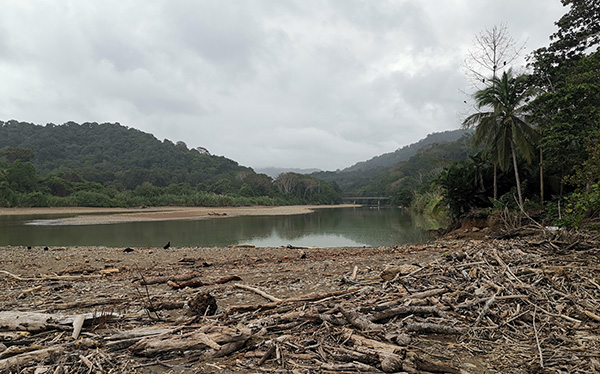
(367,199)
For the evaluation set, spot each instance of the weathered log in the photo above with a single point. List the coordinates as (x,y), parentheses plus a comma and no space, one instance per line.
(350,366)
(173,278)
(163,304)
(29,358)
(36,322)
(194,283)
(227,279)
(16,350)
(347,355)
(140,333)
(357,320)
(370,343)
(215,337)
(390,363)
(392,312)
(31,321)
(433,328)
(434,366)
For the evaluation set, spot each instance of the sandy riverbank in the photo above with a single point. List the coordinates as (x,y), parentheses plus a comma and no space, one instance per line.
(86,215)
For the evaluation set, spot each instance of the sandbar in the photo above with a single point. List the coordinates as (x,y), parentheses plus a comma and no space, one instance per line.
(89,215)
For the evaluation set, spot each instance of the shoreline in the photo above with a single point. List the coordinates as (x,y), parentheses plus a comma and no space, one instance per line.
(90,215)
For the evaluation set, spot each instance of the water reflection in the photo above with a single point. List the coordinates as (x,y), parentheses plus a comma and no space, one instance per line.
(325,228)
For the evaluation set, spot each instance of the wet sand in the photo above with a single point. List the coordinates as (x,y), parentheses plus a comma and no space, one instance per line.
(87,215)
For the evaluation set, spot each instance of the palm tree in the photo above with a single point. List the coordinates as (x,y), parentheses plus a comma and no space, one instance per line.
(504,129)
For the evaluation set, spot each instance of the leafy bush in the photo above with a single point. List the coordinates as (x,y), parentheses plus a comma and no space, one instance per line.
(582,205)
(93,199)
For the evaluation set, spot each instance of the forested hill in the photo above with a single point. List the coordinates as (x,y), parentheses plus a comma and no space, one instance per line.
(110,152)
(388,160)
(418,164)
(108,164)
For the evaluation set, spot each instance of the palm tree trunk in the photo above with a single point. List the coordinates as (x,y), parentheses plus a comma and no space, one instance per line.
(541,176)
(495,182)
(514,157)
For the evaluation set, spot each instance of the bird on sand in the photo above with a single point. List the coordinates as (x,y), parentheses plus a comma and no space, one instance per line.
(167,245)
(127,250)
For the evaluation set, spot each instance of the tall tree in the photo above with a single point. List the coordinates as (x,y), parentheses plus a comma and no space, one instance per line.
(493,50)
(503,128)
(567,72)
(12,154)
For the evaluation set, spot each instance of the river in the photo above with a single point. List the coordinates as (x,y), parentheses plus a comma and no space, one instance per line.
(352,227)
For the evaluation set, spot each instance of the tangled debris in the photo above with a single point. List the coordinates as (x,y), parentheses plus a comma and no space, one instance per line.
(482,306)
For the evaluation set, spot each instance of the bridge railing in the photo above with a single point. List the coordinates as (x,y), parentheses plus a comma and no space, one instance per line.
(379,199)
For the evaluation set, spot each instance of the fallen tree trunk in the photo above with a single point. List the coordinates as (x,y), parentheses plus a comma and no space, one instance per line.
(215,337)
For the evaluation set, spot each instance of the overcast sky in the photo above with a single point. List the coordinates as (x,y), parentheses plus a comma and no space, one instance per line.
(284,83)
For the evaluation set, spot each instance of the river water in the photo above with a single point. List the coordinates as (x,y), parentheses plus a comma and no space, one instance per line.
(360,226)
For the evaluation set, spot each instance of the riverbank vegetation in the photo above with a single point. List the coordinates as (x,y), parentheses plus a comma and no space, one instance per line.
(539,131)
(535,145)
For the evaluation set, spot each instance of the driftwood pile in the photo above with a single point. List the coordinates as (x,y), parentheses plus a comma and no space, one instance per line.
(511,306)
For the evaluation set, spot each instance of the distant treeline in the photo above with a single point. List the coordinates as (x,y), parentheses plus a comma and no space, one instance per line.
(109,164)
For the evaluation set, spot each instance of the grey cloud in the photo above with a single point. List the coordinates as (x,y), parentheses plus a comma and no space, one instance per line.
(292,83)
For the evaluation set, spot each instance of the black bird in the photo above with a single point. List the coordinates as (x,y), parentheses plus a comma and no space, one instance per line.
(45,248)
(167,245)
(28,247)
(127,250)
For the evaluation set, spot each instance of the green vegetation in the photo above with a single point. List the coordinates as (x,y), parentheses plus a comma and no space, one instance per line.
(106,165)
(503,130)
(405,173)
(553,140)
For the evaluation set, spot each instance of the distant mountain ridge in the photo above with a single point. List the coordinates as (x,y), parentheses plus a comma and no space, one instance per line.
(400,173)
(387,160)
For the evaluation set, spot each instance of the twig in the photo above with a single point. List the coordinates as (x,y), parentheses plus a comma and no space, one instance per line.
(500,261)
(260,292)
(537,340)
(267,354)
(147,297)
(485,309)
